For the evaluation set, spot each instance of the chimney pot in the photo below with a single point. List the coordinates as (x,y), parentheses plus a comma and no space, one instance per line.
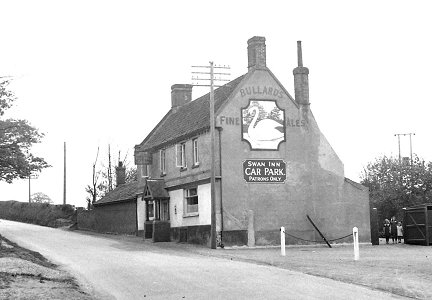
(180,94)
(301,80)
(256,52)
(120,174)
(299,54)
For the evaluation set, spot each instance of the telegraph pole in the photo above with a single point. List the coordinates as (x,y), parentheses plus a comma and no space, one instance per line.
(411,147)
(30,178)
(29,187)
(404,134)
(213,162)
(398,135)
(213,233)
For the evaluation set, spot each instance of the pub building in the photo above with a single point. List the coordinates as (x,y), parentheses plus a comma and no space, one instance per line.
(273,166)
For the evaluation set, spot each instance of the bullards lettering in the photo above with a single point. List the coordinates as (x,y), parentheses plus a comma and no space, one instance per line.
(261,90)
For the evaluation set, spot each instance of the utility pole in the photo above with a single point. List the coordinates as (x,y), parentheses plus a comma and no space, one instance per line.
(29,187)
(411,147)
(64,173)
(30,178)
(404,134)
(213,233)
(109,169)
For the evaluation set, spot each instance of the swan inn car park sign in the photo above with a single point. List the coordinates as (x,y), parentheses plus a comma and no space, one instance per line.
(264,170)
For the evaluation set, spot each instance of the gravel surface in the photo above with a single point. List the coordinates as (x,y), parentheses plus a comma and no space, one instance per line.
(401,269)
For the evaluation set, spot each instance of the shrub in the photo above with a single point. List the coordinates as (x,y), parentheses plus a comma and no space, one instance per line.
(36,213)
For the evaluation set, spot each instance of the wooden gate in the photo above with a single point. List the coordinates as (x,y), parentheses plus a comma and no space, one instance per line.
(418,225)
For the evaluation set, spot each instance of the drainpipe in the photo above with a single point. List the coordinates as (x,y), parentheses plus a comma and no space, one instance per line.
(220,184)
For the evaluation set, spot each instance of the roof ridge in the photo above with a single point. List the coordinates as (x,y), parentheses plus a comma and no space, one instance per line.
(122,192)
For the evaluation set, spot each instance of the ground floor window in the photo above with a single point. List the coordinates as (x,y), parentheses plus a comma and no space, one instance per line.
(191,202)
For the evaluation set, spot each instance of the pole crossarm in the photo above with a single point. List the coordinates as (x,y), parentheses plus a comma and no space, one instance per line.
(214,67)
(213,73)
(399,145)
(207,79)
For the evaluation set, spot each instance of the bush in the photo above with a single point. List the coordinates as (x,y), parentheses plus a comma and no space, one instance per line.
(37,213)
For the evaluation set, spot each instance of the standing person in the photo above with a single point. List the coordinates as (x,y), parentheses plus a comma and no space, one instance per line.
(387,230)
(393,229)
(399,232)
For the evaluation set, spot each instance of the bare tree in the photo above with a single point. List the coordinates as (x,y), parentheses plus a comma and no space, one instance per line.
(103,179)
(41,198)
(93,189)
(109,170)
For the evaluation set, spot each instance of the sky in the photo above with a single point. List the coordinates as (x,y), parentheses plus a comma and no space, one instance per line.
(93,73)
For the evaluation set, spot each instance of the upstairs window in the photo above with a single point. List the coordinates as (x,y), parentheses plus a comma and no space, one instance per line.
(195,152)
(181,155)
(191,202)
(162,162)
(145,170)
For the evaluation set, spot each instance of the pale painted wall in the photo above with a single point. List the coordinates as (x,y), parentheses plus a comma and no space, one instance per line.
(177,208)
(140,213)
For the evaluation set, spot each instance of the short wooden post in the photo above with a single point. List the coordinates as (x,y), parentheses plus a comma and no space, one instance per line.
(356,244)
(282,230)
(251,229)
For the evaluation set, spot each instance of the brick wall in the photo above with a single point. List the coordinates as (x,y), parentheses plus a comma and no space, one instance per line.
(86,220)
(117,218)
(112,218)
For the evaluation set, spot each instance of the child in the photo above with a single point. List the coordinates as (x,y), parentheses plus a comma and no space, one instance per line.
(399,232)
(393,229)
(387,230)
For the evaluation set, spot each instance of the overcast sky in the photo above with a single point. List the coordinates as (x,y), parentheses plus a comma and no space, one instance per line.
(93,73)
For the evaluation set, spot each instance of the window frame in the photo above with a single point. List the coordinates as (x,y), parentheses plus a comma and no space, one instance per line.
(151,212)
(143,171)
(195,153)
(181,155)
(162,161)
(188,196)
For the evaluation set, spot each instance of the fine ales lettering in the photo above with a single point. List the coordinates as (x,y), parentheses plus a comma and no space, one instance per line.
(261,90)
(295,123)
(225,120)
(264,170)
(229,120)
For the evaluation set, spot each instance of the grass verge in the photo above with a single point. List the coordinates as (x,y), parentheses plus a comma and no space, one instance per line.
(25,274)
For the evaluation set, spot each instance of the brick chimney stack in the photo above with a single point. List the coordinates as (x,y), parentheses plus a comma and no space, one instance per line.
(301,81)
(180,94)
(120,174)
(256,52)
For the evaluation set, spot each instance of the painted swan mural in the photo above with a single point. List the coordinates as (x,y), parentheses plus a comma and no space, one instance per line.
(264,130)
(265,133)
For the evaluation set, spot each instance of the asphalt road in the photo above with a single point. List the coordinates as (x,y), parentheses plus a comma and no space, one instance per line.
(112,268)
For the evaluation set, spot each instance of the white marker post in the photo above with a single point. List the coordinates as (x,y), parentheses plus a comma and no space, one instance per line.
(282,230)
(356,244)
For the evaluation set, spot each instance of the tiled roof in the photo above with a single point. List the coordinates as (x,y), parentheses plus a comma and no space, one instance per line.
(124,192)
(189,119)
(356,184)
(157,189)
